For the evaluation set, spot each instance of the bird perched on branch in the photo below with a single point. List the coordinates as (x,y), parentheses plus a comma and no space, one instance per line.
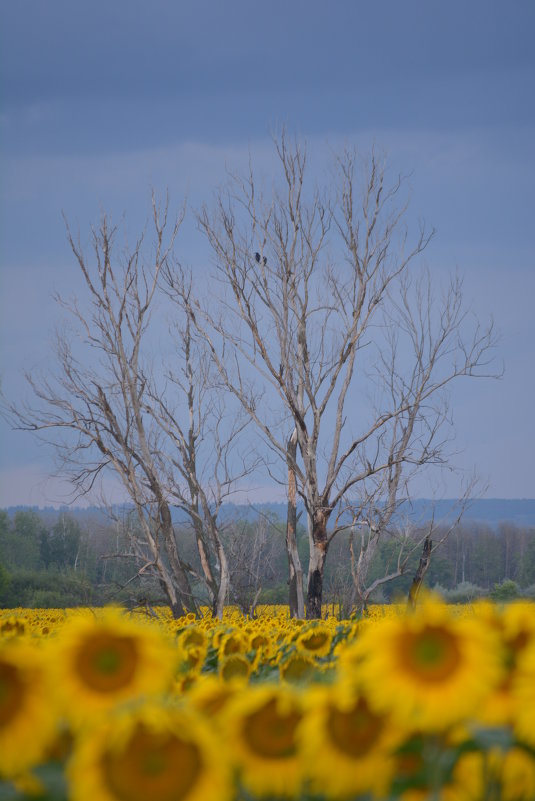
(260,258)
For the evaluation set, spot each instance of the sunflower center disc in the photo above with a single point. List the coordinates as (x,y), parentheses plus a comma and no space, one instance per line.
(354,731)
(11,692)
(271,734)
(107,662)
(432,654)
(153,767)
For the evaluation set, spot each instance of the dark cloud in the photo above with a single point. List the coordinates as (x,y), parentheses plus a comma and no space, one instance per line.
(62,49)
(102,100)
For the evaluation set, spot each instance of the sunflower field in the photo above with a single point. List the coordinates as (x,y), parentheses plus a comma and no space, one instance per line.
(108,705)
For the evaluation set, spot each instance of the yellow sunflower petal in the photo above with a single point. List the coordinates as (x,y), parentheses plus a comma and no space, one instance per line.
(99,661)
(430,669)
(27,717)
(151,752)
(261,729)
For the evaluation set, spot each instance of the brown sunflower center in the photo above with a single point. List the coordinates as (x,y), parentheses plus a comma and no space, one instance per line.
(193,638)
(354,731)
(154,766)
(194,657)
(12,691)
(233,645)
(270,733)
(431,655)
(313,642)
(235,667)
(514,647)
(107,662)
(297,668)
(259,640)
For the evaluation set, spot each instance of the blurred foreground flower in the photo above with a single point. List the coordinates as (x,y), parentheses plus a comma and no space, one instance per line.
(430,669)
(346,746)
(261,727)
(102,660)
(27,718)
(152,752)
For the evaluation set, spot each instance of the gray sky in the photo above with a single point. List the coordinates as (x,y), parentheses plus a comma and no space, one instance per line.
(102,101)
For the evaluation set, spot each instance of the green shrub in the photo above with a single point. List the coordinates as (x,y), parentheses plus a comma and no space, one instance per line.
(506,591)
(463,593)
(35,588)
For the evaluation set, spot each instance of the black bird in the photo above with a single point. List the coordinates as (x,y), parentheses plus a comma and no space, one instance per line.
(258,257)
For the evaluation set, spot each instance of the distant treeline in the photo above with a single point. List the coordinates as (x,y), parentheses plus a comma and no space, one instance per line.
(489,511)
(53,559)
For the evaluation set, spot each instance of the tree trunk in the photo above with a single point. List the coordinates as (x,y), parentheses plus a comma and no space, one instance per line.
(318,553)
(425,560)
(182,600)
(295,571)
(224,581)
(360,566)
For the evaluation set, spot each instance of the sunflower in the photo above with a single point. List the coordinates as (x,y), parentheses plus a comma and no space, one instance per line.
(518,776)
(515,626)
(429,668)
(523,691)
(27,718)
(346,745)
(261,729)
(100,661)
(12,627)
(263,645)
(232,642)
(149,753)
(315,640)
(194,637)
(235,667)
(508,776)
(192,649)
(297,668)
(210,696)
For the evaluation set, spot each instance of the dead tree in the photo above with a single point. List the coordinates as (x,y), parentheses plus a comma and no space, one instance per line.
(313,282)
(202,465)
(394,523)
(111,408)
(423,567)
(252,551)
(295,571)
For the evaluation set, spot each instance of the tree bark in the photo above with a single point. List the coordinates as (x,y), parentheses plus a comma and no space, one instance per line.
(318,554)
(425,560)
(295,571)
(180,596)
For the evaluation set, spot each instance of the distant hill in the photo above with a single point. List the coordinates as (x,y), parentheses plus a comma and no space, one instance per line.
(485,510)
(490,511)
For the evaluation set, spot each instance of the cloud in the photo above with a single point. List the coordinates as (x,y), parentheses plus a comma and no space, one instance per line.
(194,49)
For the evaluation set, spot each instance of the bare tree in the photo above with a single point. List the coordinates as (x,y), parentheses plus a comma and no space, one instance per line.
(393,524)
(252,553)
(110,407)
(203,465)
(295,571)
(316,284)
